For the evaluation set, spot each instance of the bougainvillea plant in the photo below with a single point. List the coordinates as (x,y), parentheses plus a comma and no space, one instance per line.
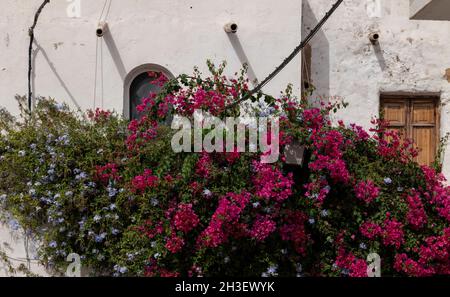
(130,206)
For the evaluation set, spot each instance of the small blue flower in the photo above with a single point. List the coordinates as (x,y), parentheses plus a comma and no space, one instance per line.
(387,181)
(154,202)
(312,221)
(324,213)
(272,270)
(207,193)
(112,192)
(112,206)
(362,246)
(100,238)
(256,204)
(53,244)
(14,225)
(130,257)
(33,146)
(123,270)
(59,106)
(97,218)
(115,232)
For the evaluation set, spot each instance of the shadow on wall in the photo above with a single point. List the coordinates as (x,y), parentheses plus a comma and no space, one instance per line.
(320,56)
(114,51)
(36,51)
(242,56)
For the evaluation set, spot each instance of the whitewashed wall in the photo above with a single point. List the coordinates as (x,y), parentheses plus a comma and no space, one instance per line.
(412,56)
(176,34)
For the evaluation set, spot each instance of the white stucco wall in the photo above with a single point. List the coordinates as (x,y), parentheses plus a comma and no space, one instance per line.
(176,34)
(412,56)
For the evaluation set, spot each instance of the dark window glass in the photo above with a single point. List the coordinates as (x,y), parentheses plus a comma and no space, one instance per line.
(141,87)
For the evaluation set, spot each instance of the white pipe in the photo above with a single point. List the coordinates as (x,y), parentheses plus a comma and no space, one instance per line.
(231,27)
(102,29)
(374,37)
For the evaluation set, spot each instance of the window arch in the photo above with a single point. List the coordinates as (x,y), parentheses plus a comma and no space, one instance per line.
(138,85)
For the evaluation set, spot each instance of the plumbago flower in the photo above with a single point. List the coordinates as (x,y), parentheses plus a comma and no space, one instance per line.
(116,193)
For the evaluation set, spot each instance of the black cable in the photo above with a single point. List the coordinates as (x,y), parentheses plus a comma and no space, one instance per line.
(297,50)
(30,50)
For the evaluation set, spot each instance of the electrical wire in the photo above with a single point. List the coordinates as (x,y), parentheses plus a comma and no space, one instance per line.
(294,53)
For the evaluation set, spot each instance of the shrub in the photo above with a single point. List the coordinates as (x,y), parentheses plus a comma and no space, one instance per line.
(138,208)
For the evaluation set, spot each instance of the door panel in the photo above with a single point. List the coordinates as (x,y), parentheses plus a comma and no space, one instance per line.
(395,112)
(423,113)
(424,140)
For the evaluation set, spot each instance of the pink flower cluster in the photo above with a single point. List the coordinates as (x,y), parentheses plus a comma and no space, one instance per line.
(391,144)
(434,257)
(437,193)
(270,183)
(293,229)
(211,100)
(391,232)
(174,244)
(328,155)
(318,190)
(370,230)
(141,131)
(226,215)
(262,228)
(203,166)
(141,182)
(99,115)
(185,219)
(361,134)
(355,267)
(366,191)
(107,173)
(416,215)
(313,118)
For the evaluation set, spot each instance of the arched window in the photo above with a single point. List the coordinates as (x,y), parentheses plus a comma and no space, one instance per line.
(139,84)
